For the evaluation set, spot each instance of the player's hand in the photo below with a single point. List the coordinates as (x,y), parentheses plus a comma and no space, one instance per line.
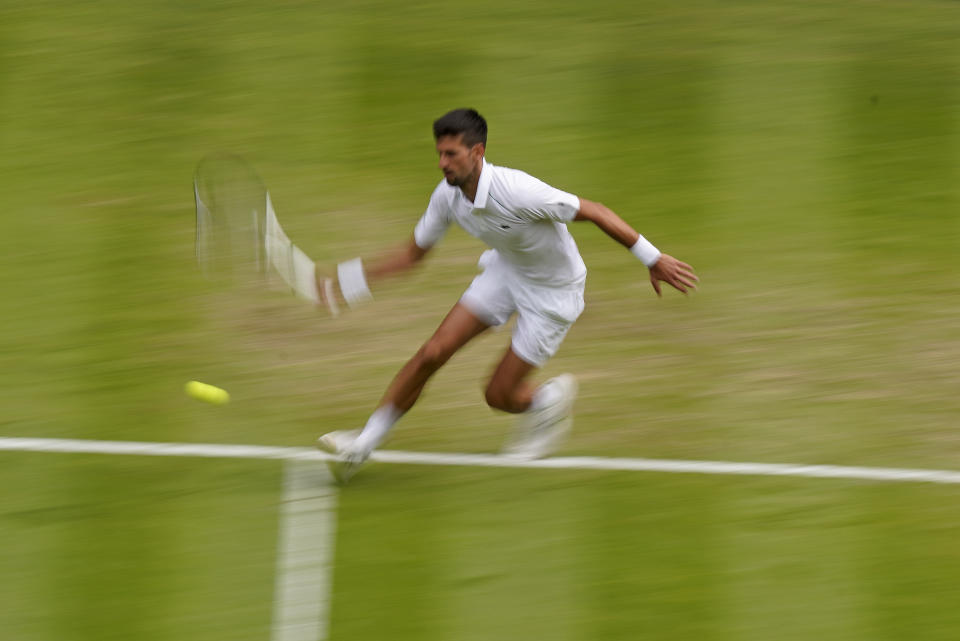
(673,272)
(329,291)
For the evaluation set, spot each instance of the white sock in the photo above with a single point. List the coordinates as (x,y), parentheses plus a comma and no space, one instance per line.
(376,429)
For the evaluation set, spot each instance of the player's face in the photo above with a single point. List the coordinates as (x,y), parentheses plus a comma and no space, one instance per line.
(459,163)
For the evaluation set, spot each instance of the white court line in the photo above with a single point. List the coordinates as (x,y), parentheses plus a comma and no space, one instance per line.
(210,450)
(301,603)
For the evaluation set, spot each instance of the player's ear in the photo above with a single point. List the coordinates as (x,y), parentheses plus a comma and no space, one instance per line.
(478,150)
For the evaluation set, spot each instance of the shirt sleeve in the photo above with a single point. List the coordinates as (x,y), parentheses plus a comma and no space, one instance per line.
(434,222)
(540,201)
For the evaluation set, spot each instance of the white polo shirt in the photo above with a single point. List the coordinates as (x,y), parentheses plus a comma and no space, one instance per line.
(519,216)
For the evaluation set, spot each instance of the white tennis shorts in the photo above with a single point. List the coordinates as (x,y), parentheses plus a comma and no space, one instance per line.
(544,313)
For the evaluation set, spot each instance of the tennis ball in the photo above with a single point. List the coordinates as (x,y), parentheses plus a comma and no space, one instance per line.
(207,393)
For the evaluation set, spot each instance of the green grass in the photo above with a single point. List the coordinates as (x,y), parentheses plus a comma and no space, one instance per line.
(512,555)
(801,155)
(131,548)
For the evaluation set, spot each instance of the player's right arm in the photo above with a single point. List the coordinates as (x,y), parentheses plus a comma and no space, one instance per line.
(351,285)
(429,230)
(399,260)
(354,276)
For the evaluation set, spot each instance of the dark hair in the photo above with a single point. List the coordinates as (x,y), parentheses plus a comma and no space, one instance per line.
(462,121)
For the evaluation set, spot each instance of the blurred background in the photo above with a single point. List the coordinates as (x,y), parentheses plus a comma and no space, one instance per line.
(803,156)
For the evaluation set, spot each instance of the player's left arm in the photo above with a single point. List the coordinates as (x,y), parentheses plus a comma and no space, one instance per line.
(663,267)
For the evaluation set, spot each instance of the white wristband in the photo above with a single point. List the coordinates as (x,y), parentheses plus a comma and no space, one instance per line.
(645,251)
(353,282)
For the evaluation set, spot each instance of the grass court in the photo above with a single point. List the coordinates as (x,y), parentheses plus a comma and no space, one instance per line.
(802,156)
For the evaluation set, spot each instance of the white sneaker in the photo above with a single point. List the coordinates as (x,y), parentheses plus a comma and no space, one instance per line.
(348,459)
(540,432)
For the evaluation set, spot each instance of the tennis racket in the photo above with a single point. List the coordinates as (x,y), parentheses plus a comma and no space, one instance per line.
(239,238)
(231,219)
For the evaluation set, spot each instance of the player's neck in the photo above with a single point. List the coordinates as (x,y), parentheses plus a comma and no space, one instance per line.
(469,188)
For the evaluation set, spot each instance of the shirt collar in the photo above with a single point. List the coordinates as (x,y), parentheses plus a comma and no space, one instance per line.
(483,185)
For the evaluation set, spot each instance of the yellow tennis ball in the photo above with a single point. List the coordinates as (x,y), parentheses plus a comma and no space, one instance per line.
(207,393)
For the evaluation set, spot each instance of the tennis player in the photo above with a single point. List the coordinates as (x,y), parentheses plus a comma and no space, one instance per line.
(532,269)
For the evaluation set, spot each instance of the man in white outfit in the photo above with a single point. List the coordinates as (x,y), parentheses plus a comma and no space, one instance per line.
(533,270)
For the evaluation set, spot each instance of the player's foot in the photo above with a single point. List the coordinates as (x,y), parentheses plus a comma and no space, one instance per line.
(539,432)
(348,460)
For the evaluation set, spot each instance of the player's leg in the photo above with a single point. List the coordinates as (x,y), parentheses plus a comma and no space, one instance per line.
(508,389)
(545,411)
(355,446)
(487,302)
(544,317)
(457,329)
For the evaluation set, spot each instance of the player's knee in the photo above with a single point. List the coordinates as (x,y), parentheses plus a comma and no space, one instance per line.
(498,398)
(432,356)
(493,398)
